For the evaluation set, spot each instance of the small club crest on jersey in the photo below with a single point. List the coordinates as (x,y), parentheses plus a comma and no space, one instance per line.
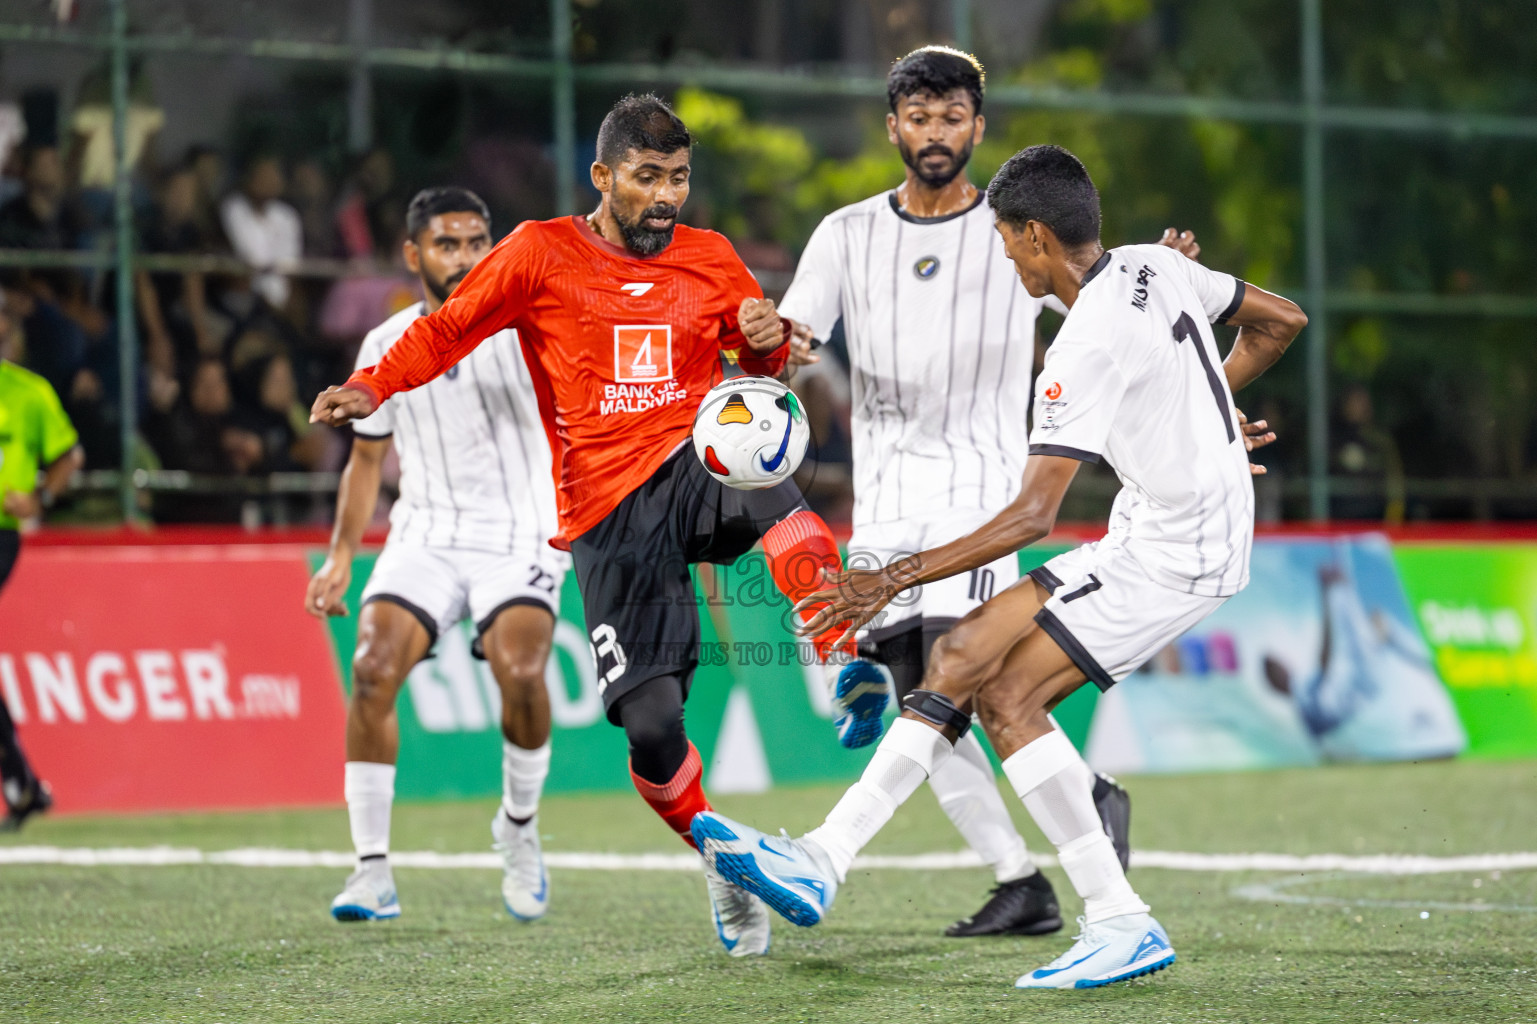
(1054,391)
(452,372)
(926,268)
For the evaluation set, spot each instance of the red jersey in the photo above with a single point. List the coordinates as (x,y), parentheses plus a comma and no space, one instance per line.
(621,348)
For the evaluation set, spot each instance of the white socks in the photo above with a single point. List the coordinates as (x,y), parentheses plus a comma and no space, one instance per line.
(523,775)
(1057,788)
(370,790)
(910,752)
(968,793)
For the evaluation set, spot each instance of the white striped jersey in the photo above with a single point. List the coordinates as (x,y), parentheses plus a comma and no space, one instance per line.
(475,467)
(941,339)
(1134,377)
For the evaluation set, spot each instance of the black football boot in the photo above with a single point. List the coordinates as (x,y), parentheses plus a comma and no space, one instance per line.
(1025,906)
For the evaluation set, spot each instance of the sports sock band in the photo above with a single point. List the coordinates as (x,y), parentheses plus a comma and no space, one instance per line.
(899,766)
(680,798)
(799,547)
(1057,789)
(370,790)
(968,794)
(523,775)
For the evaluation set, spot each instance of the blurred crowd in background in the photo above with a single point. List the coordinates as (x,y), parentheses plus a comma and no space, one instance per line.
(258,169)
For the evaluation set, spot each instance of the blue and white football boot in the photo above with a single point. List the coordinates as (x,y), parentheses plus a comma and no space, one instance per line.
(525,882)
(369,894)
(1116,949)
(859,696)
(793,876)
(741,920)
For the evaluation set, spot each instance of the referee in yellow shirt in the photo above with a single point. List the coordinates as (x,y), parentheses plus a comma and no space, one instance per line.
(39,449)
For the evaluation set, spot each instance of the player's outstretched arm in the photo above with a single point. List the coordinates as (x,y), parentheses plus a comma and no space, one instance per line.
(340,405)
(355,501)
(1267,324)
(853,598)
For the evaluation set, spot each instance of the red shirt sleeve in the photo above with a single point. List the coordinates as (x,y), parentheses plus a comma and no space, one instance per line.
(489,299)
(739,285)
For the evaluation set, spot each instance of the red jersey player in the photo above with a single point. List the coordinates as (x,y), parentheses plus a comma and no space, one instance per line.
(623,316)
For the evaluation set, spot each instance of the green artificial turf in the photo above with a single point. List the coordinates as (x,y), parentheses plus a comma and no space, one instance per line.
(224,943)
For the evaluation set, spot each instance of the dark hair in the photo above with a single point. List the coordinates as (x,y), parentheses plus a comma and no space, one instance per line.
(640,122)
(1050,185)
(430,202)
(936,71)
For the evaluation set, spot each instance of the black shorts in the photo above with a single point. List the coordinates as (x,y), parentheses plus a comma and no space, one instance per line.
(10,548)
(632,568)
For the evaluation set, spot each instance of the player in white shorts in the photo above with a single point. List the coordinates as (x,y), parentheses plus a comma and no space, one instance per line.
(468,539)
(1132,378)
(941,342)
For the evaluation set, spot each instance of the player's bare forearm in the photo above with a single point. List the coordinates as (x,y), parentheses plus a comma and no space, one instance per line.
(853,598)
(57,473)
(1027,519)
(1267,325)
(357,496)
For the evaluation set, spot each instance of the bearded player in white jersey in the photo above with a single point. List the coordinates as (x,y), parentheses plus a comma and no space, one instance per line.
(941,344)
(1133,378)
(468,539)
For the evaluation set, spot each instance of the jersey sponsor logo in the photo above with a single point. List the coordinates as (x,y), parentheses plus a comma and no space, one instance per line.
(1054,390)
(640,397)
(637,288)
(926,268)
(642,353)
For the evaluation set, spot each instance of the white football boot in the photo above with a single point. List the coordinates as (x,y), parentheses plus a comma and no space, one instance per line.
(1116,949)
(525,882)
(741,919)
(794,876)
(369,894)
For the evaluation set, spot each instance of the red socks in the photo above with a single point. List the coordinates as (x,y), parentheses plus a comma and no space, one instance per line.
(799,547)
(678,800)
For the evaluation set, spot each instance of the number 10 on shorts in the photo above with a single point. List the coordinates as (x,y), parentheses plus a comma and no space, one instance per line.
(642,353)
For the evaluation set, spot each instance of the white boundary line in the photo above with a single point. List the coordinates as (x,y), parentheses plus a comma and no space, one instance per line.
(258,857)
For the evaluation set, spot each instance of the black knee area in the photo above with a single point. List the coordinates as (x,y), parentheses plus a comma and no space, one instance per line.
(937,709)
(652,717)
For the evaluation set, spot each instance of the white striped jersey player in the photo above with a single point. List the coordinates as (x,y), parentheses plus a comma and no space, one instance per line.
(941,344)
(470,531)
(1134,378)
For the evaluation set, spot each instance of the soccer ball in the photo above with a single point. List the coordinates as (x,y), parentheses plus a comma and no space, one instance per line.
(750,432)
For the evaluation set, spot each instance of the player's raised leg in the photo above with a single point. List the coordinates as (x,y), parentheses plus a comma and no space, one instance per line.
(516,644)
(391,640)
(800,877)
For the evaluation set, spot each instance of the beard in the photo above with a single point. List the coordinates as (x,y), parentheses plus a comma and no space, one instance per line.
(643,240)
(442,289)
(943,176)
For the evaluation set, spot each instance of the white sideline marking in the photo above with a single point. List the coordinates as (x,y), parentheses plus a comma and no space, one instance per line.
(258,857)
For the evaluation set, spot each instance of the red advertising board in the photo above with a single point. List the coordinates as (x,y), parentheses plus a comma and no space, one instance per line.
(177,678)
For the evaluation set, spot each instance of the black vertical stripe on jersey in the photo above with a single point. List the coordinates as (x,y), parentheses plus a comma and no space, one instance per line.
(867,342)
(437,422)
(896,370)
(955,296)
(501,467)
(426,469)
(976,379)
(1008,329)
(517,424)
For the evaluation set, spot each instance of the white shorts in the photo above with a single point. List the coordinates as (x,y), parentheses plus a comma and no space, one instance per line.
(441,586)
(942,602)
(1108,615)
